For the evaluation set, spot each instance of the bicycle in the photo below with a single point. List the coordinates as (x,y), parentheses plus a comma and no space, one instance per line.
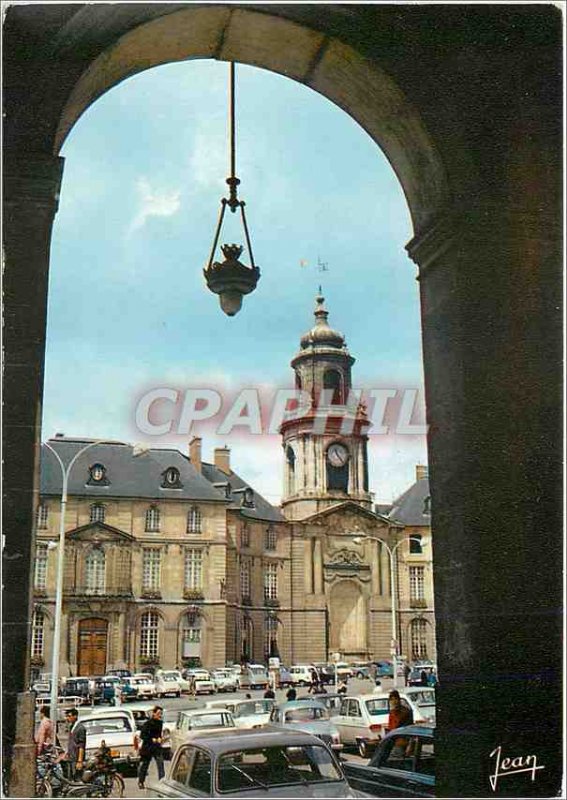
(51,780)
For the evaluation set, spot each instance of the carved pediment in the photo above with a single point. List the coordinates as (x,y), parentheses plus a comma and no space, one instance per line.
(346,560)
(347,518)
(99,533)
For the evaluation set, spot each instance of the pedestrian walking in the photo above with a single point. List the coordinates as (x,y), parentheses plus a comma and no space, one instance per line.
(432,679)
(407,672)
(314,687)
(44,736)
(151,736)
(291,694)
(269,694)
(75,754)
(423,678)
(342,688)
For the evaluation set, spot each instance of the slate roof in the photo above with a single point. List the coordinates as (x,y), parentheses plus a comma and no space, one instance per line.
(409,507)
(262,509)
(128,475)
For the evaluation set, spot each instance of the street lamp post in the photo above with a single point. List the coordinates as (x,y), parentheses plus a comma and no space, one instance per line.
(392,552)
(65,472)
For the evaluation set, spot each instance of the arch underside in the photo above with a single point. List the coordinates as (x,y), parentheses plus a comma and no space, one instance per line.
(321,62)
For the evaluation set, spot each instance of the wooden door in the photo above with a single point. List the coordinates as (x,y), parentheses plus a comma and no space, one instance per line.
(93,636)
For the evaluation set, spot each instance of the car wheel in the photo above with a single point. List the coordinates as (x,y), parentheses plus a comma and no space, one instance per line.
(303,683)
(363,749)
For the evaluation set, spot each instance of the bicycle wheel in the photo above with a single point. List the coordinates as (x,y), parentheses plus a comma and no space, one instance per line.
(116,786)
(43,788)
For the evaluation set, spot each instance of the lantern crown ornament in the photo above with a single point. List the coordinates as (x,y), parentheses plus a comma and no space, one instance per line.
(231,279)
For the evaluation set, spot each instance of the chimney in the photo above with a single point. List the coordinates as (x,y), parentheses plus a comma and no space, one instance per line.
(195,452)
(421,472)
(222,459)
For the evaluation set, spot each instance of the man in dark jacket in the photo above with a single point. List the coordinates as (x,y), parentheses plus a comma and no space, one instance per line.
(76,744)
(151,736)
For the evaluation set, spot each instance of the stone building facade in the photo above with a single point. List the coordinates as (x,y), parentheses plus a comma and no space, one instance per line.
(171,560)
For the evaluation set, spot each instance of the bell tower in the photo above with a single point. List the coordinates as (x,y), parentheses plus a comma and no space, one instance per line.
(325,450)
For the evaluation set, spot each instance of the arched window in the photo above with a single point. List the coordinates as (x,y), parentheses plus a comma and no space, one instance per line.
(332,381)
(418,635)
(290,458)
(194,520)
(191,636)
(95,563)
(149,635)
(42,515)
(271,638)
(38,625)
(152,519)
(98,512)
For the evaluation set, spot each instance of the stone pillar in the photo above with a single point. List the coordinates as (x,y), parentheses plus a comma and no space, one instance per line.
(492,353)
(31,190)
(374,567)
(308,565)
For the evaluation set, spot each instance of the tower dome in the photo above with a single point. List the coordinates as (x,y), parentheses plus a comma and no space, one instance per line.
(321,334)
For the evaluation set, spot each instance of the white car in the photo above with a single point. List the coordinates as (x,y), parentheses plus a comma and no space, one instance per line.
(198,721)
(167,683)
(117,729)
(362,719)
(253,676)
(300,674)
(146,687)
(204,684)
(424,698)
(246,713)
(224,680)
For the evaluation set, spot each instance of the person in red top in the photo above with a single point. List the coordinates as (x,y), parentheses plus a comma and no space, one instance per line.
(44,734)
(399,716)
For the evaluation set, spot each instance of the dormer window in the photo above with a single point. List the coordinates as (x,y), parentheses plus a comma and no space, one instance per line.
(171,479)
(248,498)
(427,506)
(97,475)
(415,544)
(228,491)
(152,519)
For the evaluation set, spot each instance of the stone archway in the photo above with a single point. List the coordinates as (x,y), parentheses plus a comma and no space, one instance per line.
(482,86)
(347,619)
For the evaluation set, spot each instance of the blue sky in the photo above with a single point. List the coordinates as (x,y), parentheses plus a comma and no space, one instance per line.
(128,308)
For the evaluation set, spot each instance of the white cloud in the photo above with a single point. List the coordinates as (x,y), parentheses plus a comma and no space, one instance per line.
(154,203)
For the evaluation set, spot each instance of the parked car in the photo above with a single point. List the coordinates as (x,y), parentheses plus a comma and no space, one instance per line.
(270,763)
(224,680)
(128,690)
(301,674)
(283,678)
(326,673)
(402,766)
(246,713)
(77,687)
(204,684)
(331,701)
(117,729)
(145,686)
(309,716)
(167,683)
(361,669)
(424,698)
(384,669)
(414,678)
(120,673)
(362,719)
(105,689)
(253,676)
(195,722)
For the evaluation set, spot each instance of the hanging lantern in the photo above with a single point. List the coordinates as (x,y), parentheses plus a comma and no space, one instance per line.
(231,279)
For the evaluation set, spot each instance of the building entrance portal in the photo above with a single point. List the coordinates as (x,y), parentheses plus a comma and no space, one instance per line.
(93,636)
(348,620)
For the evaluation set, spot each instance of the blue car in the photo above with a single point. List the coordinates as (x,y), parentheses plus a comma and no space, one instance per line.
(403,765)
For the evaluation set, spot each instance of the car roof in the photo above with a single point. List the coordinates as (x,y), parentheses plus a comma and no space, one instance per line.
(413,730)
(194,712)
(243,738)
(115,712)
(300,703)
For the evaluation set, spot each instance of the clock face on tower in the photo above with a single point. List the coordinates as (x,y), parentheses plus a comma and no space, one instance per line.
(337,455)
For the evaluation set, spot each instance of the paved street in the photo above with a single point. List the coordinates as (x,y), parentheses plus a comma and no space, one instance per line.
(355,687)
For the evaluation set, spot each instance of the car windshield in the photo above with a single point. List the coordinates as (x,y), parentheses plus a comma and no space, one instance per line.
(170,676)
(378,707)
(254,707)
(275,766)
(306,714)
(209,721)
(426,697)
(257,670)
(97,725)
